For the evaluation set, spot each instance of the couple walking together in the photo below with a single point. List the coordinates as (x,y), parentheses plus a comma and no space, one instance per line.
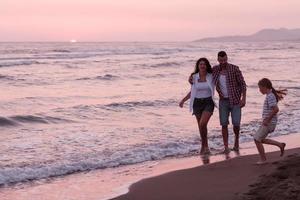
(229,82)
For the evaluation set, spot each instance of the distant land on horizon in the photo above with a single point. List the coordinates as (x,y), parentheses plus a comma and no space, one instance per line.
(282,34)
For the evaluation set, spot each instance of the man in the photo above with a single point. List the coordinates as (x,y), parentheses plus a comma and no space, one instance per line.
(231,86)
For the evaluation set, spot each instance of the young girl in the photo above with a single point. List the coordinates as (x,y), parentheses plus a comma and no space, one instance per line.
(201,99)
(269,116)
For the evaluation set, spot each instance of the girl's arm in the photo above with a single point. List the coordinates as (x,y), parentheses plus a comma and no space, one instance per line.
(184,99)
(267,120)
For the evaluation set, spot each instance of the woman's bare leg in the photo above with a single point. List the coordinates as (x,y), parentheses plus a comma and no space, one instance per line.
(205,117)
(198,118)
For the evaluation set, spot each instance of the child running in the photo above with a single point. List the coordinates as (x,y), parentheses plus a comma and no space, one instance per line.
(269,116)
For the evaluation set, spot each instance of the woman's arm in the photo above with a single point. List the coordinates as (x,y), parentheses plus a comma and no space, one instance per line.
(191,79)
(184,99)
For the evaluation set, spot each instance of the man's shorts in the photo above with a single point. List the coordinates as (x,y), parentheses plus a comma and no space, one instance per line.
(225,110)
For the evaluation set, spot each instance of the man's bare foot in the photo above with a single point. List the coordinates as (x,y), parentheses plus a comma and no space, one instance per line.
(282,149)
(226,150)
(236,145)
(236,148)
(204,151)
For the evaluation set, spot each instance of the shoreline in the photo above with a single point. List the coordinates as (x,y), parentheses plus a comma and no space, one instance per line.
(111,183)
(220,177)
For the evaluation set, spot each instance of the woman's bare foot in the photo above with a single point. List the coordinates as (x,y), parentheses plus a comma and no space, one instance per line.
(261,162)
(282,149)
(204,151)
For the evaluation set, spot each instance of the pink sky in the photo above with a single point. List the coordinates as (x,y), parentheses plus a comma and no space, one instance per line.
(141,20)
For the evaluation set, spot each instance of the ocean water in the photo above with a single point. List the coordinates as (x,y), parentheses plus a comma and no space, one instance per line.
(76,107)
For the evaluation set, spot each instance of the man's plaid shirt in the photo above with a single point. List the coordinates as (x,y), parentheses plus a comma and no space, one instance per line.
(235,82)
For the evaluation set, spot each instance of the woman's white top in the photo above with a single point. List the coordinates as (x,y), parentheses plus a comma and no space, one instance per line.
(223,85)
(209,82)
(202,90)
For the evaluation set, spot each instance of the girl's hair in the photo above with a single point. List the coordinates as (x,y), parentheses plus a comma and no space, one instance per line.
(279,94)
(208,66)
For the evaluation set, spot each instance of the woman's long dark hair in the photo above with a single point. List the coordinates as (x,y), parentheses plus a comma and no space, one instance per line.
(208,66)
(279,94)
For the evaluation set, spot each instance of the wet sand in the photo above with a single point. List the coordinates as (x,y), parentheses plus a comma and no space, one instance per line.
(236,178)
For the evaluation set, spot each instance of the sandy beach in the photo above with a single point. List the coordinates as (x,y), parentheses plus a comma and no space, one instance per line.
(236,178)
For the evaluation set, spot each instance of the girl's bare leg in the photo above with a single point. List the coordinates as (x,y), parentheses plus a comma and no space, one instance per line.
(275,143)
(261,152)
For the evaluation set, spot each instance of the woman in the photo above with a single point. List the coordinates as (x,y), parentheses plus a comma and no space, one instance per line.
(201,99)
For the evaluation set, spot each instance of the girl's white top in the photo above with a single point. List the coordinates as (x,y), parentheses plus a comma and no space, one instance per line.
(211,85)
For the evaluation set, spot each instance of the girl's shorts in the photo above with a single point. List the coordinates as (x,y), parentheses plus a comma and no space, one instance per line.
(263,132)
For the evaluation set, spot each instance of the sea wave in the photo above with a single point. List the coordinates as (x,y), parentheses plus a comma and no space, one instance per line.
(24,62)
(4,77)
(136,104)
(277,58)
(157,76)
(20,119)
(119,106)
(7,122)
(106,77)
(164,64)
(82,163)
(44,58)
(61,50)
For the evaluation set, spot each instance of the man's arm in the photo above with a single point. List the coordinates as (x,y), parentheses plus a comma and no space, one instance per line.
(241,80)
